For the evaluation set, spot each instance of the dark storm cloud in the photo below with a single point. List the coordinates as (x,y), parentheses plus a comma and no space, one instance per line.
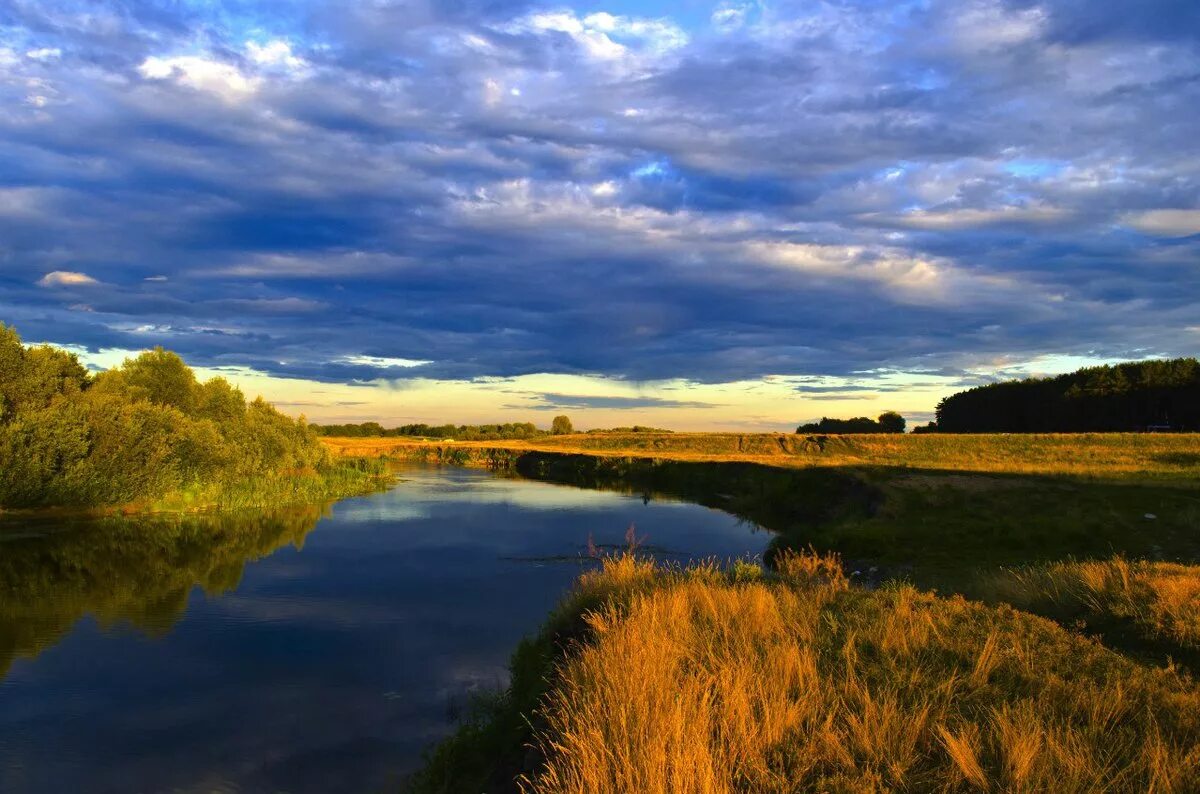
(507,188)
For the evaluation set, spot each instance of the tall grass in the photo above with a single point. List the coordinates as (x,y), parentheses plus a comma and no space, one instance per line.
(1160,600)
(336,479)
(694,681)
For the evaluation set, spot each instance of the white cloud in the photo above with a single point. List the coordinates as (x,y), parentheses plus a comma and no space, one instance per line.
(970,218)
(44,53)
(276,53)
(1165,223)
(604,189)
(988,25)
(204,74)
(66,278)
(728,17)
(384,362)
(608,37)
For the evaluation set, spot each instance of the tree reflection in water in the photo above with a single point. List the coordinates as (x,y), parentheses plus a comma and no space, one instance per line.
(135,571)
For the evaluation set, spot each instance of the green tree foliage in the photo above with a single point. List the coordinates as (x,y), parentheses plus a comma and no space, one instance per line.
(561,426)
(30,378)
(888,422)
(138,433)
(1124,397)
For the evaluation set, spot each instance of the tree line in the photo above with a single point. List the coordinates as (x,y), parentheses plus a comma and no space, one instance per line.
(888,422)
(1134,396)
(561,425)
(142,432)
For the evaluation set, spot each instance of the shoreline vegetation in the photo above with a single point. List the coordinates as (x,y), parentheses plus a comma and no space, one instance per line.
(710,679)
(1015,613)
(147,436)
(1131,457)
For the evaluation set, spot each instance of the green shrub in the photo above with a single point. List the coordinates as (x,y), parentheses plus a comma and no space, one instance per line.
(148,432)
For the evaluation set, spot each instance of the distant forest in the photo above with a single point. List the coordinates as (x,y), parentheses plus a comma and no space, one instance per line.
(1136,396)
(509,430)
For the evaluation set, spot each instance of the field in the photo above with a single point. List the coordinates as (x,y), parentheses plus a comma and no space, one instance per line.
(1136,457)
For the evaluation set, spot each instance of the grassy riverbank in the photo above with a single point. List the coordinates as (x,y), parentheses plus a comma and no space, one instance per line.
(1143,606)
(937,525)
(1135,457)
(707,680)
(1061,676)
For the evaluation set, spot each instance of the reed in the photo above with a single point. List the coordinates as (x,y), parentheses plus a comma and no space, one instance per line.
(1160,601)
(700,684)
(709,680)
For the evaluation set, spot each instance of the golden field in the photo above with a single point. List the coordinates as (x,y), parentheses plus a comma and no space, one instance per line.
(1140,456)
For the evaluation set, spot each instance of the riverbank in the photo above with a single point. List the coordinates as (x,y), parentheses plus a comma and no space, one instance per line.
(340,478)
(711,680)
(1117,457)
(980,523)
(936,525)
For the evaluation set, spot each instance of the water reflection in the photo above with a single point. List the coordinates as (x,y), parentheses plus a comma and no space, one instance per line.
(251,653)
(121,570)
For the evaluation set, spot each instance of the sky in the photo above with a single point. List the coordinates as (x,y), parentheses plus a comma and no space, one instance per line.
(695,215)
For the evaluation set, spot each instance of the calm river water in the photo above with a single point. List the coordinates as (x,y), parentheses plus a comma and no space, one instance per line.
(303,651)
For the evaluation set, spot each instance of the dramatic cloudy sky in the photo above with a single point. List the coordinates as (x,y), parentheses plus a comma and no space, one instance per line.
(698,214)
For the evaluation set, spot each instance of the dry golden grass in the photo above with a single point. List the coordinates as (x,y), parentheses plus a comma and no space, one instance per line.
(1161,599)
(1110,455)
(699,681)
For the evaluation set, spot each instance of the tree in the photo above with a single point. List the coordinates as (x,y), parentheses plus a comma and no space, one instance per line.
(891,422)
(161,377)
(561,426)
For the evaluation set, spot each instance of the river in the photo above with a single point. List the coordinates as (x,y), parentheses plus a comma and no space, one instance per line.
(309,650)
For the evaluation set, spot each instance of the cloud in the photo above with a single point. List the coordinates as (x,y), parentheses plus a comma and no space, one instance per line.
(1165,223)
(223,79)
(66,278)
(566,402)
(504,188)
(383,362)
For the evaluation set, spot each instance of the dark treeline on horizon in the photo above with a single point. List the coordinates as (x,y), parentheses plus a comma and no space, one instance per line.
(508,430)
(888,422)
(1135,396)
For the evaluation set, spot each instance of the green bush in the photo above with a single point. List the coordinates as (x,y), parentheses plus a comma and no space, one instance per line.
(146,432)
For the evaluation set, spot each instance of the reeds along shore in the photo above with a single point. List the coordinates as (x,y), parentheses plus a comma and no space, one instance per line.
(719,680)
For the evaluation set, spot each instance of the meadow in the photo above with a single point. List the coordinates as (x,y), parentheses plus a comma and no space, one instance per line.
(1137,457)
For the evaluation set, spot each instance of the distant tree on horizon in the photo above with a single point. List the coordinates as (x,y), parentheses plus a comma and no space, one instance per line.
(888,422)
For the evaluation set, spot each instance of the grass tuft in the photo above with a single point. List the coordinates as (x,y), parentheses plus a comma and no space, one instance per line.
(704,680)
